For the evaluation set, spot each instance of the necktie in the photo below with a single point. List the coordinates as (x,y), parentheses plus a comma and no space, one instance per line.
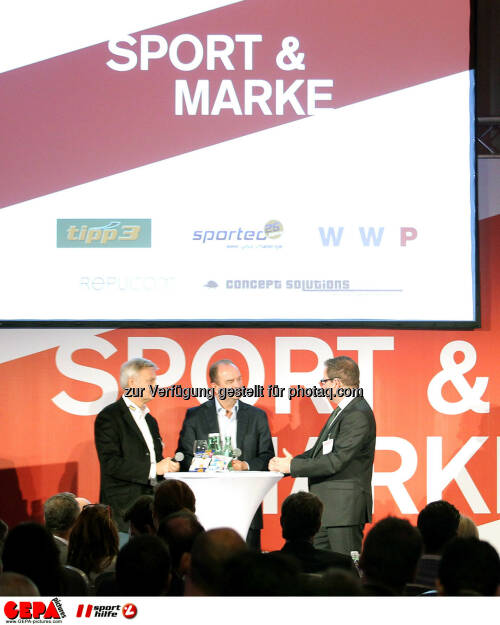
(326,430)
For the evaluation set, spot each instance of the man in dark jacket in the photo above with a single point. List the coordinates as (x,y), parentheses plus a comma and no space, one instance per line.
(300,521)
(129,444)
(245,425)
(340,464)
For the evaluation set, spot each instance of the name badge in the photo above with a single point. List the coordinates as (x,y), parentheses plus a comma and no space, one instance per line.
(327,446)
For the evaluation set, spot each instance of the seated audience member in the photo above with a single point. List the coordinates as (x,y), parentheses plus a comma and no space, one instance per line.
(140,516)
(82,502)
(300,521)
(60,513)
(469,567)
(467,528)
(143,567)
(17,585)
(171,496)
(334,582)
(93,542)
(254,574)
(179,531)
(30,550)
(209,556)
(389,557)
(438,524)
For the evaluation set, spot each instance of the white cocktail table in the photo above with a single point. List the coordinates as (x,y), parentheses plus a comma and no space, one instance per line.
(230,498)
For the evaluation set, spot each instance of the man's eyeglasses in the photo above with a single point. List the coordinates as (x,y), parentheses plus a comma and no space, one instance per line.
(327,380)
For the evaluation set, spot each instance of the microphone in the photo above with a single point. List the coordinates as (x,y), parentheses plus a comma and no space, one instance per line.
(236,453)
(179,456)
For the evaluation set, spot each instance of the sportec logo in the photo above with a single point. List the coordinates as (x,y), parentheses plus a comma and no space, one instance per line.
(238,236)
(129,610)
(104,233)
(34,611)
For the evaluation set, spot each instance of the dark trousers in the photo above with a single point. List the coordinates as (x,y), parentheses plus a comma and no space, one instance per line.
(343,539)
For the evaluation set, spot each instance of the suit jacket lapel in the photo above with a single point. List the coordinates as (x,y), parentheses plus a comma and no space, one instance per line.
(127,417)
(241,425)
(336,425)
(155,435)
(211,420)
(321,438)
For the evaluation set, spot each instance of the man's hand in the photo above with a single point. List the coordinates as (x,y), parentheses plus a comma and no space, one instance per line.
(240,465)
(174,466)
(282,465)
(167,465)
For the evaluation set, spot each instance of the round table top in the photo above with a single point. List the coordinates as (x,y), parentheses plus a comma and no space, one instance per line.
(197,475)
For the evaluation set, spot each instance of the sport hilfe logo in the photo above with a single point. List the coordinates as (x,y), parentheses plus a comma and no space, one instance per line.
(103,233)
(128,610)
(97,610)
(34,610)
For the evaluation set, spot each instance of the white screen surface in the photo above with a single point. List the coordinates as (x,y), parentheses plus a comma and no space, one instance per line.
(353,213)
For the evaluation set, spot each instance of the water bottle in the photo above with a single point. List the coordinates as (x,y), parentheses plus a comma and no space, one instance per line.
(217,445)
(228,451)
(228,446)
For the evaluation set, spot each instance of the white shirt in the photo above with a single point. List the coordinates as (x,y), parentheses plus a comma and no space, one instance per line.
(227,425)
(344,402)
(139,416)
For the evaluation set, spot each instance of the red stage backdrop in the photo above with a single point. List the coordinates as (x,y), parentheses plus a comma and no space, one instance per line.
(435,395)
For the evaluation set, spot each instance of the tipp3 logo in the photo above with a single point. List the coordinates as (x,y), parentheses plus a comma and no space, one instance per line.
(103,233)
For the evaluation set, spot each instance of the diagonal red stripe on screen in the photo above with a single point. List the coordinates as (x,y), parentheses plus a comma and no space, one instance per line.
(71,119)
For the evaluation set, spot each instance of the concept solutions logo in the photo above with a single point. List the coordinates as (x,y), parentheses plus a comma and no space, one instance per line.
(103,233)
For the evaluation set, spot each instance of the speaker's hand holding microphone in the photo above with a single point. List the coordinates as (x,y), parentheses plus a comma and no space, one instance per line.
(238,465)
(169,465)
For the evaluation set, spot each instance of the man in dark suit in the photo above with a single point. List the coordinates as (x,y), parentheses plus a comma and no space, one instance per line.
(129,444)
(340,464)
(246,425)
(300,522)
(60,513)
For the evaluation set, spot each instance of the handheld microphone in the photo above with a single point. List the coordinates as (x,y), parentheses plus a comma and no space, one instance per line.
(179,456)
(236,453)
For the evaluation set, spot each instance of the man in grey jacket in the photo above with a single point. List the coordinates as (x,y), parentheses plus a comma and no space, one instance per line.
(339,466)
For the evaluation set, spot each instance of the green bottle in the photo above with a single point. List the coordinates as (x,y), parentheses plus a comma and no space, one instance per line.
(228,446)
(228,451)
(217,445)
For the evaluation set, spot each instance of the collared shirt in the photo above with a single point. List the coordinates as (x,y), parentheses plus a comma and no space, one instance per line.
(139,416)
(343,403)
(227,425)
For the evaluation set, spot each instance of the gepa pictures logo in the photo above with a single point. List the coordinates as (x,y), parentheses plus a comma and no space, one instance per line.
(34,611)
(103,233)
